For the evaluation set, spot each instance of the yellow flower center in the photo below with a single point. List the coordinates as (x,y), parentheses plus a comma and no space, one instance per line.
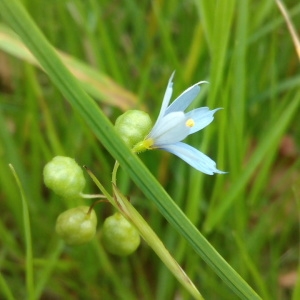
(143,146)
(190,123)
(148,143)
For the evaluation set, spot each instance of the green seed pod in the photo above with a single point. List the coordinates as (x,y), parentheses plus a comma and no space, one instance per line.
(133,126)
(119,237)
(64,176)
(75,226)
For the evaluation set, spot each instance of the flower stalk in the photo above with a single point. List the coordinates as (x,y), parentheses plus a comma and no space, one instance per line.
(121,203)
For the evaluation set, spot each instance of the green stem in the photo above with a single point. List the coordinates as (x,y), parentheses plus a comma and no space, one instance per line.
(106,194)
(92,196)
(114,173)
(28,238)
(14,13)
(133,216)
(93,205)
(120,202)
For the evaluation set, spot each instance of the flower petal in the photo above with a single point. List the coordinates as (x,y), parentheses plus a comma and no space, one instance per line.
(167,98)
(193,157)
(171,129)
(202,117)
(183,101)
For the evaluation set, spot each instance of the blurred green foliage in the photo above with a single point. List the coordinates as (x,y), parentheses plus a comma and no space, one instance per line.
(250,215)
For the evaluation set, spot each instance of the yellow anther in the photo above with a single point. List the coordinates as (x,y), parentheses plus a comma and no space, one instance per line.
(190,123)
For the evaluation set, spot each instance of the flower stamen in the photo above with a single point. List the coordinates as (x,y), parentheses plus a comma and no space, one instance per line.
(190,123)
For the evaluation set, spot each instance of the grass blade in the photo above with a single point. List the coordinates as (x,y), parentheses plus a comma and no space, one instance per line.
(28,240)
(20,21)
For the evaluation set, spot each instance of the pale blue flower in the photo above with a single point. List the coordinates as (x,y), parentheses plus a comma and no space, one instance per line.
(173,125)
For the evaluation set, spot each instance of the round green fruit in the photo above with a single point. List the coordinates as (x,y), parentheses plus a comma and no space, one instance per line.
(133,126)
(64,176)
(119,236)
(75,226)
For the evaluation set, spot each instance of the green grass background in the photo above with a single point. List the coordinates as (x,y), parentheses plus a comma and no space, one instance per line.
(123,52)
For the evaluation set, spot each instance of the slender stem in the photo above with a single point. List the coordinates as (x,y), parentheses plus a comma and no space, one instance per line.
(92,196)
(120,202)
(290,25)
(28,238)
(133,216)
(108,196)
(100,186)
(114,173)
(95,203)
(14,13)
